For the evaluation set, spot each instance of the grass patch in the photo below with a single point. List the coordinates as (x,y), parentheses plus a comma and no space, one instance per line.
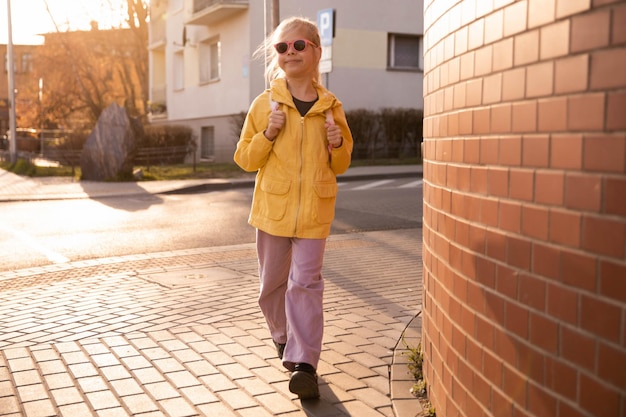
(419,389)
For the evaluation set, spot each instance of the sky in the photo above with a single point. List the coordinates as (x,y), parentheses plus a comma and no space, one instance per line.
(30,17)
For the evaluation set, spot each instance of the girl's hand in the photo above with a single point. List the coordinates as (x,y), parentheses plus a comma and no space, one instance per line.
(333,134)
(275,124)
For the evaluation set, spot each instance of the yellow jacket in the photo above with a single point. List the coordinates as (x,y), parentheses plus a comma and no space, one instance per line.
(296,186)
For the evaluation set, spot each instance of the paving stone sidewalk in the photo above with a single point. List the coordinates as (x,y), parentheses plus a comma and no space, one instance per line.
(180,334)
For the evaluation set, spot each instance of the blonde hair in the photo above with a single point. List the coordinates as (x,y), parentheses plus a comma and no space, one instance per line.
(266,49)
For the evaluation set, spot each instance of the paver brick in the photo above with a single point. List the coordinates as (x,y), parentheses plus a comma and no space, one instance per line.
(139,348)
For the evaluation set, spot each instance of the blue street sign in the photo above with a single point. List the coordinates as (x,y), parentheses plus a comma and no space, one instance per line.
(326,25)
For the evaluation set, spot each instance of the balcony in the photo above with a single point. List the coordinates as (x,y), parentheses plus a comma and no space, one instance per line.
(208,12)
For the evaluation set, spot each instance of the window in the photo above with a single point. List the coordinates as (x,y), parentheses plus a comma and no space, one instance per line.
(179,70)
(27,63)
(405,52)
(209,60)
(207,142)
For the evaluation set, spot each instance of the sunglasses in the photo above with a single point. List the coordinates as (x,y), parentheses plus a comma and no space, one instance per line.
(299,45)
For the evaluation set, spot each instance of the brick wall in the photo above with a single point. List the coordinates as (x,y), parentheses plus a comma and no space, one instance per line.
(525,207)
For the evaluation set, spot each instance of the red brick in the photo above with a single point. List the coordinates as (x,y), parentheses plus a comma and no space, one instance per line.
(566,410)
(482,121)
(477,236)
(471,151)
(570,7)
(515,18)
(541,12)
(561,378)
(583,192)
(489,151)
(586,112)
(532,292)
(506,281)
(612,282)
(498,182)
(492,91)
(483,60)
(485,333)
(467,72)
(510,216)
(604,235)
(492,368)
(526,48)
(503,55)
(514,84)
(552,115)
(611,365)
(565,228)
(545,260)
(465,122)
(544,333)
(563,303)
(605,153)
(608,69)
(511,151)
(461,231)
(535,222)
(536,151)
(501,118)
(476,35)
(566,152)
(478,179)
(601,318)
(485,271)
(496,245)
(518,252)
(524,117)
(616,109)
(501,405)
(540,80)
(516,385)
(597,398)
(577,347)
(549,187)
(540,402)
(590,31)
(572,74)
(578,270)
(489,212)
(558,44)
(619,25)
(522,184)
(517,319)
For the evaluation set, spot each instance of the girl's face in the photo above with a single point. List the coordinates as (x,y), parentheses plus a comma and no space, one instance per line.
(295,61)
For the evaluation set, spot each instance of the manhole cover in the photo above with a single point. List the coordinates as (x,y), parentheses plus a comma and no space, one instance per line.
(189,278)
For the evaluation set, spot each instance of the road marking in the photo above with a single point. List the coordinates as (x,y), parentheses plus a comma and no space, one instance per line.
(412,184)
(373,184)
(52,256)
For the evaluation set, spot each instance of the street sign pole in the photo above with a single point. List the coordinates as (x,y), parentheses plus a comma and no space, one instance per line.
(326,25)
(12,130)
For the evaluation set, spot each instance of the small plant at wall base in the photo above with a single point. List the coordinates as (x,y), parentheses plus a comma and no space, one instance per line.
(419,390)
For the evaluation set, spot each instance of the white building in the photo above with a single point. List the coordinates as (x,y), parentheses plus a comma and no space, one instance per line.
(202,74)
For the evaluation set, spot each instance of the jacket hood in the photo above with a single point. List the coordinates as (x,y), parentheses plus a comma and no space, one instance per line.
(280,93)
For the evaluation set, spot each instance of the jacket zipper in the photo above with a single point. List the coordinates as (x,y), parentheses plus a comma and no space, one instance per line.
(295,233)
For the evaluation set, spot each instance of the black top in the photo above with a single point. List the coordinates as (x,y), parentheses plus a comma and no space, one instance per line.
(303,106)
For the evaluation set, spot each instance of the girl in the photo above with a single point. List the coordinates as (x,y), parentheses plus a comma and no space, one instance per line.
(297,139)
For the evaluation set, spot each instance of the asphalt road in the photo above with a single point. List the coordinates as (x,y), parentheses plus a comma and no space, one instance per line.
(40,233)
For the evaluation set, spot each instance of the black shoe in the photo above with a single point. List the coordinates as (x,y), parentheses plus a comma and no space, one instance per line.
(303,382)
(280,349)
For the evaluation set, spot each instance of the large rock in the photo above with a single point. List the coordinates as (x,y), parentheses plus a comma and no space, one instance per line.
(110,149)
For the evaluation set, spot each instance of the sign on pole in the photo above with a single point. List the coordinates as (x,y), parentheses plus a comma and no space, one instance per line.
(326,25)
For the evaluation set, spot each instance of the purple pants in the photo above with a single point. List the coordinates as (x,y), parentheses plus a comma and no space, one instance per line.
(291,296)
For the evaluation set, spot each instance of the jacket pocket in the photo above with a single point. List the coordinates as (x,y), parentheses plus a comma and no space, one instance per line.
(326,195)
(274,197)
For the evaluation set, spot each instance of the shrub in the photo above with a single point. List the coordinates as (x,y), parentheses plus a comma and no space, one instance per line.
(387,133)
